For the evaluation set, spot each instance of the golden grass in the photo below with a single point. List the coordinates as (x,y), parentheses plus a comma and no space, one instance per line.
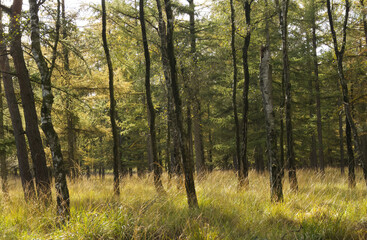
(321,209)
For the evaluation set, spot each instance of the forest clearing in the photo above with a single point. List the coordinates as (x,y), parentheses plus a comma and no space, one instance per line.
(183,119)
(322,209)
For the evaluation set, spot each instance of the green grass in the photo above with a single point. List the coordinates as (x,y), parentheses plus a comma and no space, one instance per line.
(321,209)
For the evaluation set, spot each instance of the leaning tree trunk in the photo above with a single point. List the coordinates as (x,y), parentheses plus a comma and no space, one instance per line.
(112,105)
(283,12)
(341,143)
(187,165)
(243,162)
(62,192)
(275,165)
(343,83)
(235,80)
(29,108)
(20,143)
(157,165)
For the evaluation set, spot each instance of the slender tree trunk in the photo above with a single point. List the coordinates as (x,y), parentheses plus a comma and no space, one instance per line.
(21,146)
(187,165)
(157,165)
(210,147)
(31,119)
(3,165)
(62,192)
(235,80)
(283,12)
(243,162)
(341,143)
(343,83)
(275,164)
(351,161)
(317,88)
(364,20)
(116,149)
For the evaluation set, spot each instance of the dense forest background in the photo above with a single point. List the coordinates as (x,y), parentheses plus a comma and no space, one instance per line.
(183,87)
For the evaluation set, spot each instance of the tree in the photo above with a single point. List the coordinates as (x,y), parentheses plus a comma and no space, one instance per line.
(275,166)
(283,22)
(178,118)
(62,191)
(243,163)
(235,80)
(34,138)
(157,165)
(351,128)
(112,104)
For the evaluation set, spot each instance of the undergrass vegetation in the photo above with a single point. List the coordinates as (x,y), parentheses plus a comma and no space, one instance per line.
(323,208)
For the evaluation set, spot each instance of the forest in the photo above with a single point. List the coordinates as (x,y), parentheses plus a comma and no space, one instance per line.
(183,119)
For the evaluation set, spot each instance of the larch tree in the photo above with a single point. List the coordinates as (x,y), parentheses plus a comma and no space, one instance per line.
(283,23)
(235,81)
(275,166)
(16,120)
(351,128)
(61,187)
(178,117)
(157,164)
(42,179)
(243,162)
(115,135)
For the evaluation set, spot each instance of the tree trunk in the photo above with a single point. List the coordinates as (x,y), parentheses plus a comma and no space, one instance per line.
(62,192)
(21,146)
(235,80)
(351,128)
(31,119)
(275,164)
(341,143)
(210,147)
(317,88)
(364,20)
(243,161)
(3,165)
(187,165)
(351,161)
(116,185)
(283,12)
(157,164)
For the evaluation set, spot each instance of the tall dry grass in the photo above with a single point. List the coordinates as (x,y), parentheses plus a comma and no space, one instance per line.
(323,208)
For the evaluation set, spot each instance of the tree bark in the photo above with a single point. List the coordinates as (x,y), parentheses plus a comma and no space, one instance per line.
(235,81)
(20,142)
(157,165)
(62,192)
(317,88)
(283,12)
(195,88)
(243,161)
(341,143)
(31,119)
(3,164)
(364,20)
(343,83)
(115,135)
(187,165)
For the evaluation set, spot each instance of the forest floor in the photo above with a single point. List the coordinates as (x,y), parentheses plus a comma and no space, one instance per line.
(321,209)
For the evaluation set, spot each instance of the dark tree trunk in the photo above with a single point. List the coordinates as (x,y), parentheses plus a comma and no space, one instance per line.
(234,89)
(62,192)
(243,161)
(283,12)
(275,164)
(351,161)
(343,83)
(259,159)
(317,88)
(364,20)
(210,147)
(341,143)
(31,119)
(21,146)
(157,164)
(187,165)
(116,149)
